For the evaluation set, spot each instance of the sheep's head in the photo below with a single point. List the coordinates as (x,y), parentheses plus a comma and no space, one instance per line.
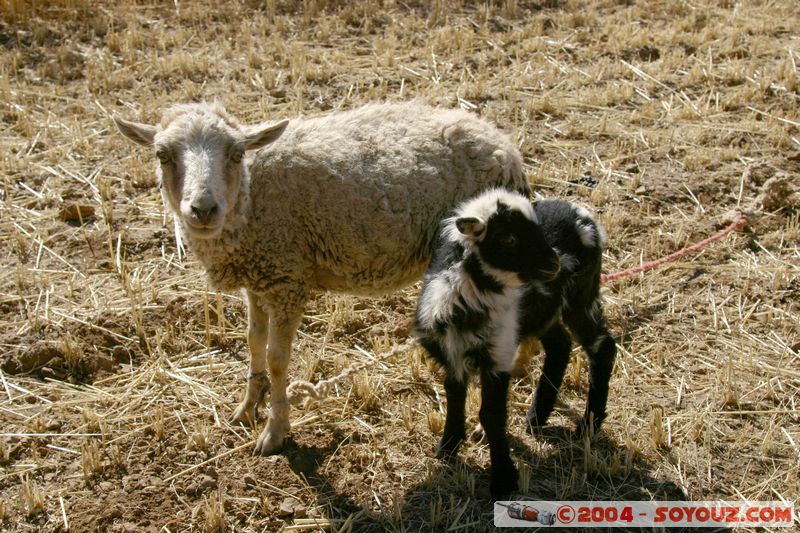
(200,150)
(502,228)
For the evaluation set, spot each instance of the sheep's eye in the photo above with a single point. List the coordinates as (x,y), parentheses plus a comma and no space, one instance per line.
(236,155)
(509,240)
(163,155)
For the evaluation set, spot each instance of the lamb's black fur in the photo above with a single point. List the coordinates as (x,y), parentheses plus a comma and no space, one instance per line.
(544,262)
(575,296)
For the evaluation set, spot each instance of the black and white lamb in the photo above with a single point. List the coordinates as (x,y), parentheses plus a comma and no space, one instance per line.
(347,202)
(505,270)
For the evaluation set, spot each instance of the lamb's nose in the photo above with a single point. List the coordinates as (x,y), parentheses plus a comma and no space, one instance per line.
(204,213)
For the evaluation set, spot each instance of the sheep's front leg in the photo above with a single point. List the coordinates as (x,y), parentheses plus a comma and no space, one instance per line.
(282,328)
(257,381)
(493,416)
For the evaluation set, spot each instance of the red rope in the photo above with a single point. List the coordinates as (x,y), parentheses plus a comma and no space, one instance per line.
(649,265)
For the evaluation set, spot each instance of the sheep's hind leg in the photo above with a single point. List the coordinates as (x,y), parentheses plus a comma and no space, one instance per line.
(493,416)
(258,381)
(454,428)
(282,328)
(557,345)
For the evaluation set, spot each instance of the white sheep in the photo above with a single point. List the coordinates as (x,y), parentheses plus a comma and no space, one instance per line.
(346,202)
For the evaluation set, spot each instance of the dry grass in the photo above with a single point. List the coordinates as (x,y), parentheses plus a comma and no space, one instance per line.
(120,367)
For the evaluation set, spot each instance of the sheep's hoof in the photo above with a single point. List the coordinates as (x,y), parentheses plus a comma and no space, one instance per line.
(245,415)
(270,442)
(503,481)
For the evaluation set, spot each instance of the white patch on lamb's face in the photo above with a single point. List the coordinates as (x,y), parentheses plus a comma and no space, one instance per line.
(482,207)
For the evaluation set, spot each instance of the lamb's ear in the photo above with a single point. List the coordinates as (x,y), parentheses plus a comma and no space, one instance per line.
(471,226)
(139,133)
(263,134)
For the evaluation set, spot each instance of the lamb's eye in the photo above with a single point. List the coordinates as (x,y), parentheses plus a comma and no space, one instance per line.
(509,241)
(236,155)
(163,155)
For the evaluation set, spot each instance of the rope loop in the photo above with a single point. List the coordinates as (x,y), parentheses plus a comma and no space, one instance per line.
(301,391)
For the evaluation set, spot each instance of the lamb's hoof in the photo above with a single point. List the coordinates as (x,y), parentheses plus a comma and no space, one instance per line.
(532,426)
(535,421)
(587,427)
(269,442)
(448,446)
(245,415)
(503,481)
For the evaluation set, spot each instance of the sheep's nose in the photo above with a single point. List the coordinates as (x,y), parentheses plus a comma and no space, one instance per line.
(204,213)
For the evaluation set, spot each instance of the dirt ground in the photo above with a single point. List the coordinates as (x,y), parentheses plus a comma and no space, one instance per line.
(120,366)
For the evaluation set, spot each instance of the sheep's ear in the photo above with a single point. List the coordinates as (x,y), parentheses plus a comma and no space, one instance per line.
(470,226)
(263,134)
(139,133)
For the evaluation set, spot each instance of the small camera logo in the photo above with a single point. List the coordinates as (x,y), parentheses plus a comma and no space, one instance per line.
(518,511)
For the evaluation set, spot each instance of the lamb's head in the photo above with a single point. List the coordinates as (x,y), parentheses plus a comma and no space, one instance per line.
(200,150)
(502,229)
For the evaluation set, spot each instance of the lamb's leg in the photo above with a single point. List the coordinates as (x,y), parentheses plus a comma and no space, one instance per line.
(282,328)
(258,381)
(454,428)
(557,345)
(589,327)
(493,415)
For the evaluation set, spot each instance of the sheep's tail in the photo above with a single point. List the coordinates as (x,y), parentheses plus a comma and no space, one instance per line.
(300,391)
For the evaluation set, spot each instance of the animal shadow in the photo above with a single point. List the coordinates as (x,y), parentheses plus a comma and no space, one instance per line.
(574,468)
(455,494)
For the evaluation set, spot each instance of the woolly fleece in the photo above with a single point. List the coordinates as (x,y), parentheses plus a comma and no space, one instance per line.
(351,201)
